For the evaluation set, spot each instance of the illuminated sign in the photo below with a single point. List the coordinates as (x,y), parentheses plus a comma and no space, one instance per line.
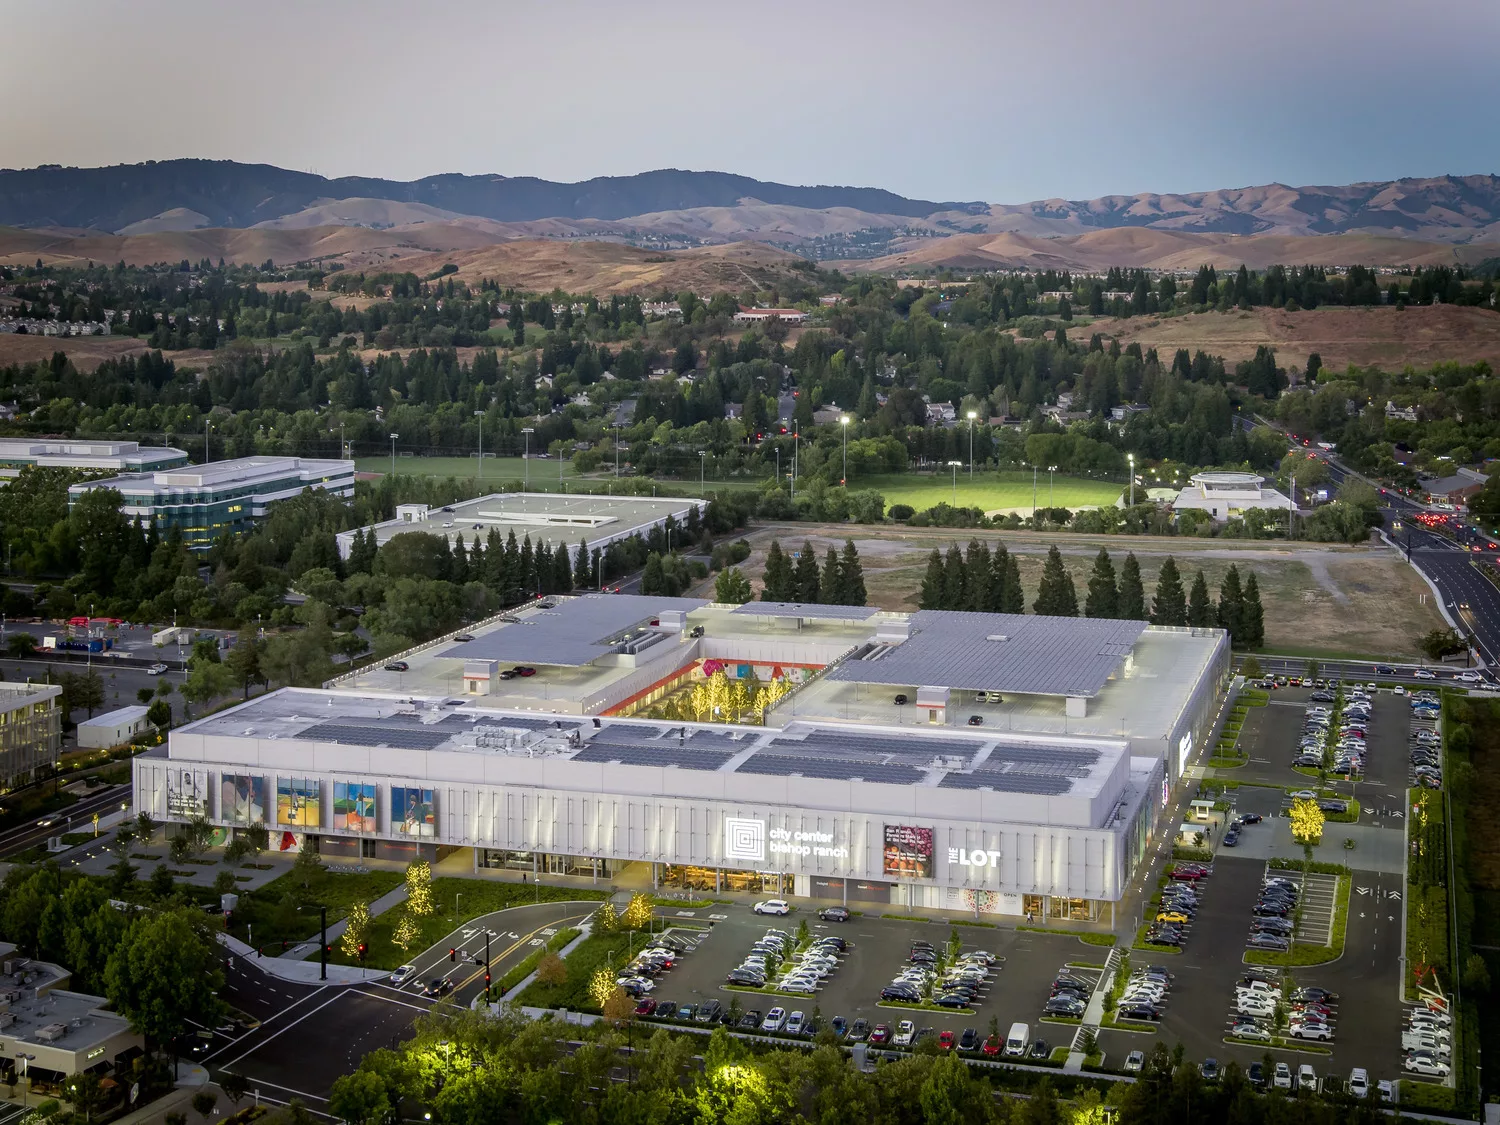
(744,839)
(784,842)
(908,851)
(976,857)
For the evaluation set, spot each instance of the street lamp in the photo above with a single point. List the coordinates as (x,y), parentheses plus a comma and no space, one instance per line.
(954,466)
(972,416)
(207,457)
(526,459)
(702,468)
(479,473)
(1033,496)
(844,430)
(1050,470)
(617,449)
(1130,458)
(393,453)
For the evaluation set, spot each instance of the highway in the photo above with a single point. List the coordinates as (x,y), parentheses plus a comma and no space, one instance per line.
(77,817)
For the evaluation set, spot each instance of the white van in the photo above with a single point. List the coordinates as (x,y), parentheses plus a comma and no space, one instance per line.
(1415,1041)
(1016,1039)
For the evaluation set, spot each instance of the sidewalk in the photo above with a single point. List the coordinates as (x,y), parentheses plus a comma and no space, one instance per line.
(336,930)
(302,972)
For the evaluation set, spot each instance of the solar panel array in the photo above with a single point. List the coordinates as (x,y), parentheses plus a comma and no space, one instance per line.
(1007,783)
(833,742)
(384,733)
(833,768)
(803,610)
(1041,770)
(661,753)
(572,633)
(1000,652)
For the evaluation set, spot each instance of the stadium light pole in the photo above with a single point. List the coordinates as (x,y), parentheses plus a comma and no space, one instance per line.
(844,429)
(954,466)
(617,450)
(1033,495)
(393,453)
(1050,470)
(972,416)
(479,475)
(1130,459)
(526,460)
(702,469)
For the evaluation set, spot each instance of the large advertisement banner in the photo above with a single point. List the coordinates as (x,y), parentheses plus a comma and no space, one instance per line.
(242,799)
(412,812)
(298,802)
(187,793)
(908,851)
(353,806)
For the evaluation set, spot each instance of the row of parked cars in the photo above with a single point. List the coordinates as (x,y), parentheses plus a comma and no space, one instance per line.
(1145,996)
(1173,921)
(959,985)
(1427,1042)
(639,976)
(1310,1011)
(805,970)
(1426,746)
(1273,918)
(1348,749)
(1069,996)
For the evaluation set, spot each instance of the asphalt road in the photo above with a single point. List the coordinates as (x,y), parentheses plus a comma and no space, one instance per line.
(81,813)
(310,1035)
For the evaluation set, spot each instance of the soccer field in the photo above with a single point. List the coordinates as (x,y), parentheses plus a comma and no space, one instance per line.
(542,473)
(990,491)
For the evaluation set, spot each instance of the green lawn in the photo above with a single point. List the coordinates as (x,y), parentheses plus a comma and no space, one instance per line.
(989,490)
(543,474)
(283,910)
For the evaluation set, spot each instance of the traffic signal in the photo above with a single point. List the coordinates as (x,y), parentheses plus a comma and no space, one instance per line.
(453,954)
(362,948)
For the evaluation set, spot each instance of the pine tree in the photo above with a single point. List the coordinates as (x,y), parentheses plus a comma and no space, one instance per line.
(460,571)
(1104,595)
(831,585)
(562,571)
(852,576)
(1253,621)
(953,579)
(1132,592)
(510,570)
(652,579)
(1170,605)
(526,569)
(806,574)
(999,579)
(1200,612)
(1232,606)
(931,596)
(779,582)
(583,573)
(977,577)
(1056,596)
(541,562)
(1015,597)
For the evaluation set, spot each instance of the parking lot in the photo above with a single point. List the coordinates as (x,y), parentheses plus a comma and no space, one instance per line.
(879,948)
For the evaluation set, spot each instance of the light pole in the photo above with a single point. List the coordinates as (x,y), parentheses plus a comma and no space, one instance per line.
(526,459)
(1033,496)
(702,468)
(479,473)
(954,466)
(207,456)
(796,444)
(617,450)
(1130,460)
(778,468)
(844,430)
(393,453)
(1050,470)
(343,446)
(972,416)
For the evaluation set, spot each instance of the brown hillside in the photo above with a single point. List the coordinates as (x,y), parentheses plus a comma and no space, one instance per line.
(86,352)
(1149,248)
(1384,337)
(21,247)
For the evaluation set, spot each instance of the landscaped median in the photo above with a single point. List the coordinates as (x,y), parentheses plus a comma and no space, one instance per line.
(1277,1043)
(1105,940)
(1227,752)
(556,942)
(1301,954)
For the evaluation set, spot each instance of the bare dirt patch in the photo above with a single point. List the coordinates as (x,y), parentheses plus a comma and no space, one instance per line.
(86,352)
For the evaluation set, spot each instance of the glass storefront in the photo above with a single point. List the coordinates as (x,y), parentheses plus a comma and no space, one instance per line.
(720,879)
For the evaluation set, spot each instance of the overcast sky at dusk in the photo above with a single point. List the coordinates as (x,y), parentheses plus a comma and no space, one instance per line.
(1002,101)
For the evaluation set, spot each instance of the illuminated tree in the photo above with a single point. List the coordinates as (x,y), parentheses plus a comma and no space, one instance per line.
(407,932)
(637,913)
(356,929)
(605,919)
(419,888)
(1307,821)
(602,986)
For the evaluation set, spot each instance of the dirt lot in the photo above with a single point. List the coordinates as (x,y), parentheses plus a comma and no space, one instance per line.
(1330,599)
(86,352)
(1383,337)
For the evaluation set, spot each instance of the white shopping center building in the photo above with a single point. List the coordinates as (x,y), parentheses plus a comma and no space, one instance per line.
(980,763)
(1226,495)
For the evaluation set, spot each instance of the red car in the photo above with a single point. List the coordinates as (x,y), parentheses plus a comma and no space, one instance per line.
(1188,874)
(645,1007)
(946,1040)
(992,1047)
(881,1034)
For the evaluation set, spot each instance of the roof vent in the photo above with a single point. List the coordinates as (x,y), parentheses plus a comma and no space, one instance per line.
(997,637)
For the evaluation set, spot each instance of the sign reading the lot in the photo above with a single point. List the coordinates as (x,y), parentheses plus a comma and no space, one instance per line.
(744,839)
(908,851)
(976,857)
(785,842)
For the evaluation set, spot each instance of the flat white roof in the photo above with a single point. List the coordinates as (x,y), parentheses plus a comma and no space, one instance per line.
(117,718)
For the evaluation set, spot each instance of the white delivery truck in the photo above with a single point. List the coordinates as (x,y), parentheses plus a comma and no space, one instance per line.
(1016,1039)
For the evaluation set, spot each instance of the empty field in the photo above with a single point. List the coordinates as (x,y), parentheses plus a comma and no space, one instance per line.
(1012,491)
(542,474)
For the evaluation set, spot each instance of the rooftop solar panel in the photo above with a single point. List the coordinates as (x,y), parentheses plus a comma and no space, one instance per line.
(1069,656)
(661,754)
(782,765)
(572,633)
(403,737)
(804,610)
(1008,783)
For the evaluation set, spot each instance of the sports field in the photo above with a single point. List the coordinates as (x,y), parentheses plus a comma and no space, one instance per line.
(990,491)
(542,473)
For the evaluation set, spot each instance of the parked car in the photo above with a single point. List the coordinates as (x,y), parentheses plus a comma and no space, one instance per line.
(1134,1062)
(398,666)
(773,906)
(834,914)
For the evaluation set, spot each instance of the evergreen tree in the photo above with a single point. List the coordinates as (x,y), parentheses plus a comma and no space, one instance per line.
(1200,612)
(1253,620)
(510,570)
(831,585)
(999,576)
(1014,596)
(583,572)
(932,583)
(1232,606)
(806,575)
(541,562)
(953,579)
(852,577)
(1170,605)
(977,576)
(562,571)
(1132,592)
(651,577)
(1056,596)
(1104,596)
(526,569)
(780,584)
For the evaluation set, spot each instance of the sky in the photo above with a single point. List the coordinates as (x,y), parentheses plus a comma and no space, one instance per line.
(1000,101)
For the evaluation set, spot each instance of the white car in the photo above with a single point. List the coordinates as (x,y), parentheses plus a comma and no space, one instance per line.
(156,669)
(1304,795)
(1469,678)
(1311,1031)
(403,974)
(1359,1082)
(774,1020)
(773,906)
(1430,1067)
(1424,674)
(1387,1091)
(1250,1031)
(905,1032)
(1282,1079)
(636,985)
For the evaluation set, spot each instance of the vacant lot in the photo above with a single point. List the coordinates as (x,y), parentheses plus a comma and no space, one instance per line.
(993,492)
(1317,599)
(1383,337)
(86,352)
